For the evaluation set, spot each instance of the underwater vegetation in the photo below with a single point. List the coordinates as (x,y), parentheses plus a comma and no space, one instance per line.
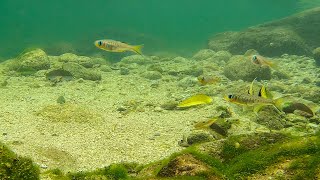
(14,167)
(259,155)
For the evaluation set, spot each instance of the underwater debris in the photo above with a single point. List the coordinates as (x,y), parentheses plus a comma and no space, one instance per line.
(117,46)
(195,100)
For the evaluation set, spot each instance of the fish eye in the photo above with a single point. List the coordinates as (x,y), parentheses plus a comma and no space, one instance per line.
(230,96)
(254,58)
(100,43)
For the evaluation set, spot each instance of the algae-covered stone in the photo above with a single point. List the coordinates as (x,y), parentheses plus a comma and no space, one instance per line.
(316,55)
(67,113)
(16,167)
(36,59)
(187,82)
(296,34)
(30,62)
(59,75)
(203,54)
(197,138)
(79,71)
(152,75)
(139,59)
(271,118)
(240,67)
(184,165)
(82,60)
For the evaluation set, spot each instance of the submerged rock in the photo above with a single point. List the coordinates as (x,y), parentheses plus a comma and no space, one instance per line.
(152,75)
(269,117)
(296,34)
(79,71)
(82,60)
(240,67)
(316,55)
(58,75)
(184,165)
(30,62)
(203,54)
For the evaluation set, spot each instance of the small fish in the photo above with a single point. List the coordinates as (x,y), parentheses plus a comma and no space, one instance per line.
(204,80)
(195,100)
(117,46)
(261,61)
(257,101)
(205,124)
(211,125)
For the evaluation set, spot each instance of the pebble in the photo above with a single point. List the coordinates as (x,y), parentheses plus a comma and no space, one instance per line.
(43,166)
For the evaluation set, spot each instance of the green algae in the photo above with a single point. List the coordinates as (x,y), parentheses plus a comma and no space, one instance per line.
(16,167)
(251,157)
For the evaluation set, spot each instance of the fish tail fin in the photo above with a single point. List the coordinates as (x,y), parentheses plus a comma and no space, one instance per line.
(273,65)
(137,49)
(278,103)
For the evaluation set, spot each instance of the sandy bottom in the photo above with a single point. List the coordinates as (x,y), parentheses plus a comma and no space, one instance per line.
(107,136)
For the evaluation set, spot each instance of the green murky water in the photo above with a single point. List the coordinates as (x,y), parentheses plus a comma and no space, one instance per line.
(180,27)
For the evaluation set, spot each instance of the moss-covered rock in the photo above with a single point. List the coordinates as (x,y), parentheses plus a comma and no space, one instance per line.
(316,55)
(184,165)
(271,118)
(67,112)
(30,62)
(79,71)
(82,60)
(293,35)
(241,67)
(203,54)
(15,167)
(152,75)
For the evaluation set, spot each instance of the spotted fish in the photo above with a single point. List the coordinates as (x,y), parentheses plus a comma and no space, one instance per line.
(117,46)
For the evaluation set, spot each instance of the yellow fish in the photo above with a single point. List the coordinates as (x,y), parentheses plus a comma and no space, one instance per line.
(195,100)
(117,46)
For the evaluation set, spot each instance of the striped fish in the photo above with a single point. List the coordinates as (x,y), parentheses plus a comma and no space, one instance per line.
(117,46)
(257,101)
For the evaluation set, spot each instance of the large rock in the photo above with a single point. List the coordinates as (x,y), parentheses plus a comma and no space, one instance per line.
(240,67)
(30,62)
(78,71)
(297,34)
(184,165)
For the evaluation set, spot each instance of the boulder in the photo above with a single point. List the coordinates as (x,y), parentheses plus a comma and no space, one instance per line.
(297,34)
(240,67)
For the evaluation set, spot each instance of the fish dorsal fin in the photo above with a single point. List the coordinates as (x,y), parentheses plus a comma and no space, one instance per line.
(263,92)
(250,91)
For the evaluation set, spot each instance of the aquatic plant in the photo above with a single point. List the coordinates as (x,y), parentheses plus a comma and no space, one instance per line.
(13,166)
